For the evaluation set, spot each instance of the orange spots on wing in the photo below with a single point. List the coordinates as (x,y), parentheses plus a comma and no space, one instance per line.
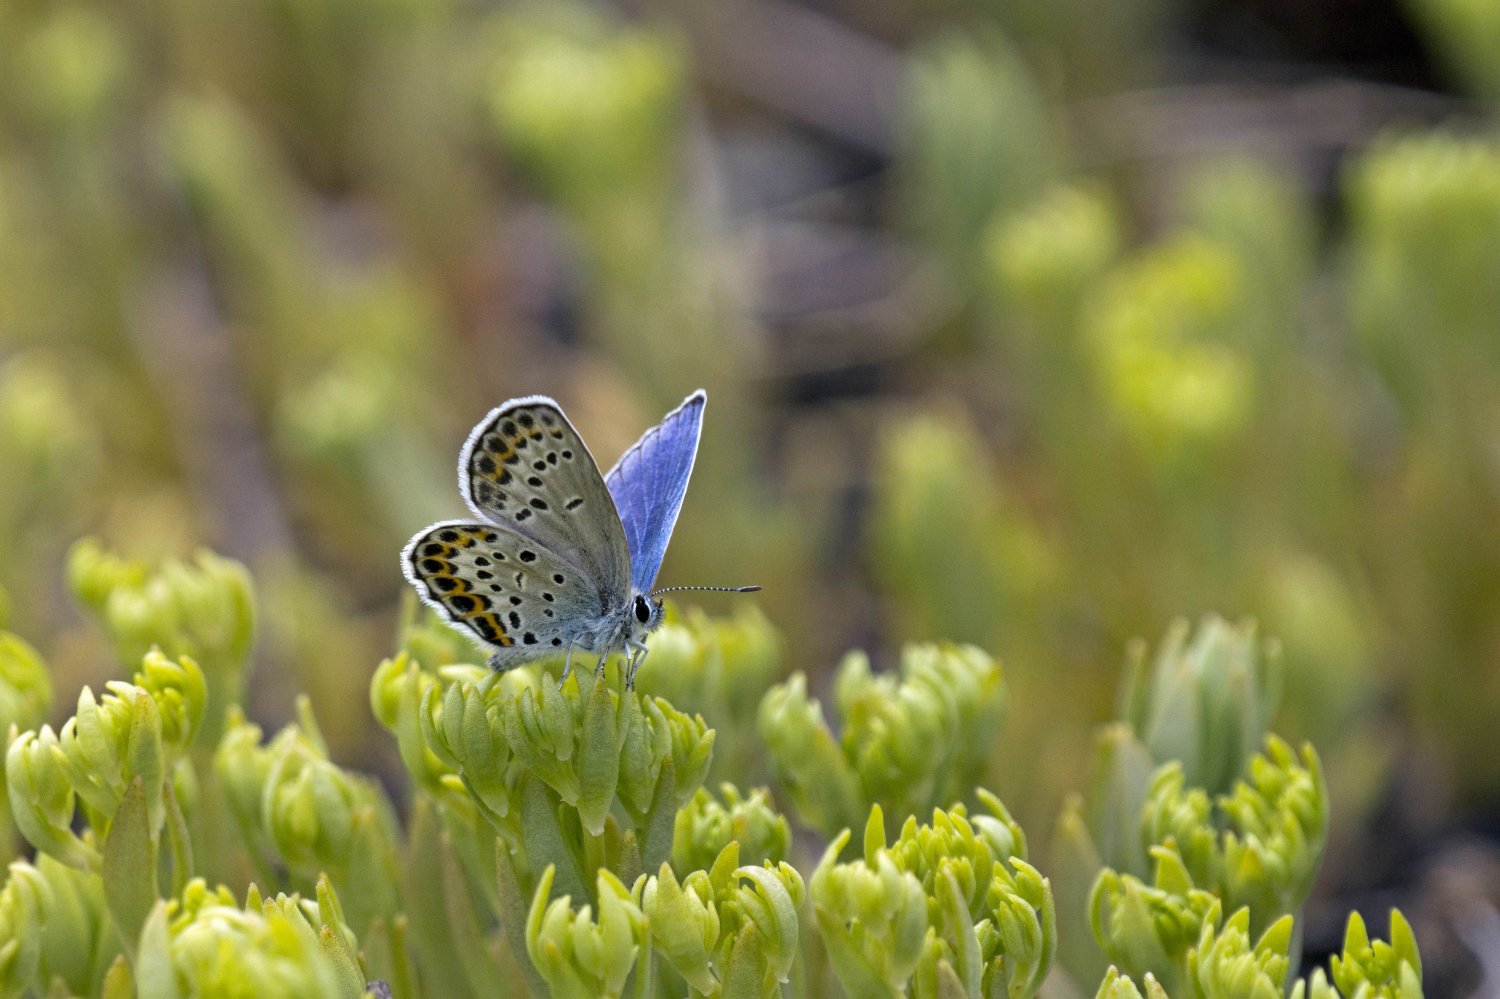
(488,627)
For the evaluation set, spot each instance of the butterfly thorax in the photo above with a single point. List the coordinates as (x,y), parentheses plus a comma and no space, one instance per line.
(620,629)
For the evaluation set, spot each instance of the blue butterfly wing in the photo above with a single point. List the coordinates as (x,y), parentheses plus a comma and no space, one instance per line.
(649,482)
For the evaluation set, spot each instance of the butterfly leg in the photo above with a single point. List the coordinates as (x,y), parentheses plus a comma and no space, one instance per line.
(567,665)
(599,666)
(637,656)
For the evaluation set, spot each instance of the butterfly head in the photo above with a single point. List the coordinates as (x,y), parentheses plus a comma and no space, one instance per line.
(645,613)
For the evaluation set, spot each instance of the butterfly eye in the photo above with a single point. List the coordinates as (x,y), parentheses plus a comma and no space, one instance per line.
(642,610)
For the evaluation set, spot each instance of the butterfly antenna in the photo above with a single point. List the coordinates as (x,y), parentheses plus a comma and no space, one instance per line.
(716,589)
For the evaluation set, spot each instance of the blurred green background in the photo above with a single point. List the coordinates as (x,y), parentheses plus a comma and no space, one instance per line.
(1032,324)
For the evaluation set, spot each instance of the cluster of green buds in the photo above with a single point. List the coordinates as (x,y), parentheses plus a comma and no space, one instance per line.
(577,776)
(948,909)
(122,760)
(718,668)
(1226,961)
(294,805)
(1257,848)
(56,935)
(459,878)
(204,609)
(1204,701)
(706,825)
(523,745)
(730,930)
(204,944)
(1375,969)
(25,686)
(1118,986)
(126,742)
(908,743)
(1259,845)
(578,955)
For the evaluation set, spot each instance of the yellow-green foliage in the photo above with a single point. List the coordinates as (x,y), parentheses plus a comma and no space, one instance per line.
(558,833)
(1001,353)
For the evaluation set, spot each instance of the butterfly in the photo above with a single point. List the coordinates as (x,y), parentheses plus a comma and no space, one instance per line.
(559,556)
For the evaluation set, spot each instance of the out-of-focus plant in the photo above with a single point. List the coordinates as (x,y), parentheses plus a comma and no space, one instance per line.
(51,457)
(906,743)
(957,554)
(339,353)
(1262,217)
(1424,251)
(1163,338)
(25,688)
(978,140)
(948,909)
(596,114)
(1324,627)
(1465,33)
(1045,257)
(78,64)
(1424,211)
